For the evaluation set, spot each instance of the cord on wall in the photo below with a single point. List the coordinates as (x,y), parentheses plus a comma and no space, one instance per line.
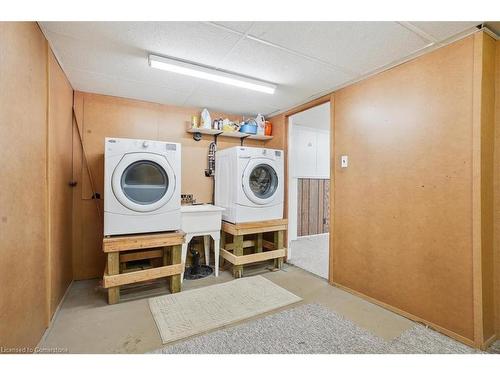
(95,195)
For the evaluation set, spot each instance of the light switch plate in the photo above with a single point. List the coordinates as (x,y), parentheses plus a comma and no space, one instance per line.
(344,161)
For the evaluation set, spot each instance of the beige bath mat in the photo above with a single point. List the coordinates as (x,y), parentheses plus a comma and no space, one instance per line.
(192,312)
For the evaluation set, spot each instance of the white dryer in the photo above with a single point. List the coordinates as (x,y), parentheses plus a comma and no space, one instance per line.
(249,184)
(142,191)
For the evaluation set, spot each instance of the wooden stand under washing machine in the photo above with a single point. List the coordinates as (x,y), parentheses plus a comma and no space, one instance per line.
(122,249)
(263,250)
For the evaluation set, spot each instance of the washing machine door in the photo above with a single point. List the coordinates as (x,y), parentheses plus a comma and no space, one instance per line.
(143,182)
(260,181)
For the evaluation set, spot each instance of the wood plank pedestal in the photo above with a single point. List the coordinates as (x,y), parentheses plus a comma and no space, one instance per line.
(121,249)
(262,249)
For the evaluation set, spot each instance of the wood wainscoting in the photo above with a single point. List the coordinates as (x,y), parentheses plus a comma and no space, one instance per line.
(35,204)
(313,206)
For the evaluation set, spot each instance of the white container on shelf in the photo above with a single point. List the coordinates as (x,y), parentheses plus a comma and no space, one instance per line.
(261,124)
(206,120)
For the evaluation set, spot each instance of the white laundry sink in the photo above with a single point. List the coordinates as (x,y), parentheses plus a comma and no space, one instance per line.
(201,218)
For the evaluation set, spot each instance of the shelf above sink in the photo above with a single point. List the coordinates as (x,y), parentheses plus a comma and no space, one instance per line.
(221,133)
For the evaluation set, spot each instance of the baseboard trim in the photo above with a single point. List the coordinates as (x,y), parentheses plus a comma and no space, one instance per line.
(488,342)
(56,313)
(408,315)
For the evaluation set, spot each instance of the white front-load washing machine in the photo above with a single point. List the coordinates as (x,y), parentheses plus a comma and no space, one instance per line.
(249,184)
(142,191)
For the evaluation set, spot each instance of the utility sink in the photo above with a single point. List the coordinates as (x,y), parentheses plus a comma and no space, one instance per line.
(201,218)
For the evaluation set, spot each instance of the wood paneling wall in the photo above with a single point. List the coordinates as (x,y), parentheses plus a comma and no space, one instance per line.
(35,205)
(103,116)
(60,149)
(23,184)
(403,208)
(497,190)
(313,206)
(483,125)
(413,224)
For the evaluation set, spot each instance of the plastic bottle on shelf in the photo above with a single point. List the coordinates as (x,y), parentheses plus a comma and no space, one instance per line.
(260,121)
(268,128)
(206,120)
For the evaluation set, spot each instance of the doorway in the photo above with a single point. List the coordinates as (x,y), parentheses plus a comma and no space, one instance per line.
(309,189)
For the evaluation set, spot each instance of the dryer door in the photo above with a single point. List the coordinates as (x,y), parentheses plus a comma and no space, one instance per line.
(260,181)
(143,182)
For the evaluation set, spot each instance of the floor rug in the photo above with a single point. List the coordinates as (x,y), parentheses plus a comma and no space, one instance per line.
(313,329)
(196,311)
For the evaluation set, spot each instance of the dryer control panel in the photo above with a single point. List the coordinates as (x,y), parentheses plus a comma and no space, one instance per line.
(248,152)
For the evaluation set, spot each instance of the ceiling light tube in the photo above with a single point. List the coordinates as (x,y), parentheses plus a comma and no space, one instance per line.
(210,74)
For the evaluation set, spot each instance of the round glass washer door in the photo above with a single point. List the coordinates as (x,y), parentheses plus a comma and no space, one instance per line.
(143,182)
(260,181)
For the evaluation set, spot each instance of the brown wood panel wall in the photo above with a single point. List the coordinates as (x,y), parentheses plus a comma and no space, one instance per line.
(312,206)
(23,184)
(483,186)
(60,174)
(403,209)
(35,204)
(497,190)
(103,116)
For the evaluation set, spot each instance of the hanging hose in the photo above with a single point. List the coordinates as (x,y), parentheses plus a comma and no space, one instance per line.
(210,171)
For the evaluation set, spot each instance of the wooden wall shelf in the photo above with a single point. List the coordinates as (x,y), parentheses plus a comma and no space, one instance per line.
(221,133)
(261,137)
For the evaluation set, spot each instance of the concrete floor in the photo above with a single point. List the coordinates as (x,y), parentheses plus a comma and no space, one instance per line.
(85,323)
(311,253)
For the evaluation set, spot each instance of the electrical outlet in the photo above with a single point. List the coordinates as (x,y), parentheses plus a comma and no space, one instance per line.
(344,161)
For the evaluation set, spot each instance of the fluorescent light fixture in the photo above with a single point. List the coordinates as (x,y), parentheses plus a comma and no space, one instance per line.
(198,71)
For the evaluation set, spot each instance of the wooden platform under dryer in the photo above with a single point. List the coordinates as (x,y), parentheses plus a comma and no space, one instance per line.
(262,249)
(121,249)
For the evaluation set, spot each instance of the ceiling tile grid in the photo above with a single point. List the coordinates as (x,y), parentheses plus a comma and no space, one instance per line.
(445,29)
(109,85)
(119,61)
(304,59)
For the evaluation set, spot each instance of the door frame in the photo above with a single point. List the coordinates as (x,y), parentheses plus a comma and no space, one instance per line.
(321,100)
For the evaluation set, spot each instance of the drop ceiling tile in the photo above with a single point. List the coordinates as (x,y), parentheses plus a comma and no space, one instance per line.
(494,26)
(120,61)
(442,30)
(111,57)
(108,85)
(230,99)
(194,41)
(239,26)
(292,73)
(356,46)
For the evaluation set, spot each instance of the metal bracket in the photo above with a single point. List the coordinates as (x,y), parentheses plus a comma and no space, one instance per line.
(197,136)
(243,138)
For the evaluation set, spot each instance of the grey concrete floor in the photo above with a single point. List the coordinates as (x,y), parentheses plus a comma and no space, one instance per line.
(85,323)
